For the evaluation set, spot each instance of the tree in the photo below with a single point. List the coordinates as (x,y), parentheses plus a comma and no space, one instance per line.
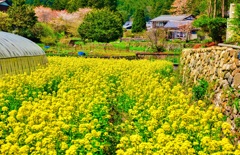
(23,17)
(111,4)
(59,4)
(74,5)
(153,8)
(157,37)
(139,23)
(98,4)
(9,2)
(5,22)
(180,7)
(187,28)
(45,14)
(214,27)
(101,25)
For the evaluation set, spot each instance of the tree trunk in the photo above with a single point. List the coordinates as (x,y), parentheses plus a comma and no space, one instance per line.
(223,11)
(210,8)
(215,8)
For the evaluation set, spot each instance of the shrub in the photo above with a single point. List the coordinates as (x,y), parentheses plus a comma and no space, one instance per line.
(200,89)
(128,34)
(237,122)
(44,33)
(101,25)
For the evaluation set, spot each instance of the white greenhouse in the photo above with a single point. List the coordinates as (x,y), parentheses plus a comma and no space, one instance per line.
(19,55)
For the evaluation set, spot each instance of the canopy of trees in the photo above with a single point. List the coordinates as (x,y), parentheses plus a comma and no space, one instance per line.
(214,27)
(216,12)
(152,8)
(22,17)
(74,5)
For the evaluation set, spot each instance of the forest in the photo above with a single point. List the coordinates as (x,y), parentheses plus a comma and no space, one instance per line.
(152,8)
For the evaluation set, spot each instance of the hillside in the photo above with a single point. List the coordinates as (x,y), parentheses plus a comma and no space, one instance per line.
(153,8)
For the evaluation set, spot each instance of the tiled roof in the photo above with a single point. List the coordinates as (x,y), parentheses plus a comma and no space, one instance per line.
(176,24)
(170,17)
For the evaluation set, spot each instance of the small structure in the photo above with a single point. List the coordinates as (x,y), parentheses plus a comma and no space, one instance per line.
(19,55)
(4,5)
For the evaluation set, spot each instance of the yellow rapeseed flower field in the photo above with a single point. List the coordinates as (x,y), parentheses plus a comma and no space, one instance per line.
(94,106)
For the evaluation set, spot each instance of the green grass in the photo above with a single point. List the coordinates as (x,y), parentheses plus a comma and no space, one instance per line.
(117,48)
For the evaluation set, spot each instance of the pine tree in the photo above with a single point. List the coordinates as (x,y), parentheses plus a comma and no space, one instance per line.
(98,4)
(59,4)
(111,4)
(139,23)
(74,5)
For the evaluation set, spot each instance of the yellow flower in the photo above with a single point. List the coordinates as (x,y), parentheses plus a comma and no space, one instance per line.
(64,146)
(4,108)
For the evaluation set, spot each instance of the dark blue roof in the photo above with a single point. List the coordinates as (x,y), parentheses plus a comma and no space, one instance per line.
(4,4)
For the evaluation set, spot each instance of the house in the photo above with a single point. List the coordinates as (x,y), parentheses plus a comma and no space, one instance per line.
(181,30)
(178,26)
(128,25)
(162,20)
(3,5)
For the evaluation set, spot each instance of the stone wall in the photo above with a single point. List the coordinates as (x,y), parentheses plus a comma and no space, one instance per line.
(220,66)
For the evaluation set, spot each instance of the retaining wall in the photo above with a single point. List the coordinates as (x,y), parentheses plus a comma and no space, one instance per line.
(220,66)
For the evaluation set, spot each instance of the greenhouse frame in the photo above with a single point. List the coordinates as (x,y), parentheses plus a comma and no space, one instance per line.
(19,55)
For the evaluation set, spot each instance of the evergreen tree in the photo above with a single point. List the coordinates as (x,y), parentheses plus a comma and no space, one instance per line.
(9,2)
(101,25)
(98,4)
(139,22)
(59,4)
(111,4)
(74,5)
(23,17)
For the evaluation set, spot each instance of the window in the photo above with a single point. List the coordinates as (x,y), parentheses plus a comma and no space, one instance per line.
(159,24)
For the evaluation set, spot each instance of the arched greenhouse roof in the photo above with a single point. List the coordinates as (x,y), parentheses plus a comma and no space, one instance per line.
(12,45)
